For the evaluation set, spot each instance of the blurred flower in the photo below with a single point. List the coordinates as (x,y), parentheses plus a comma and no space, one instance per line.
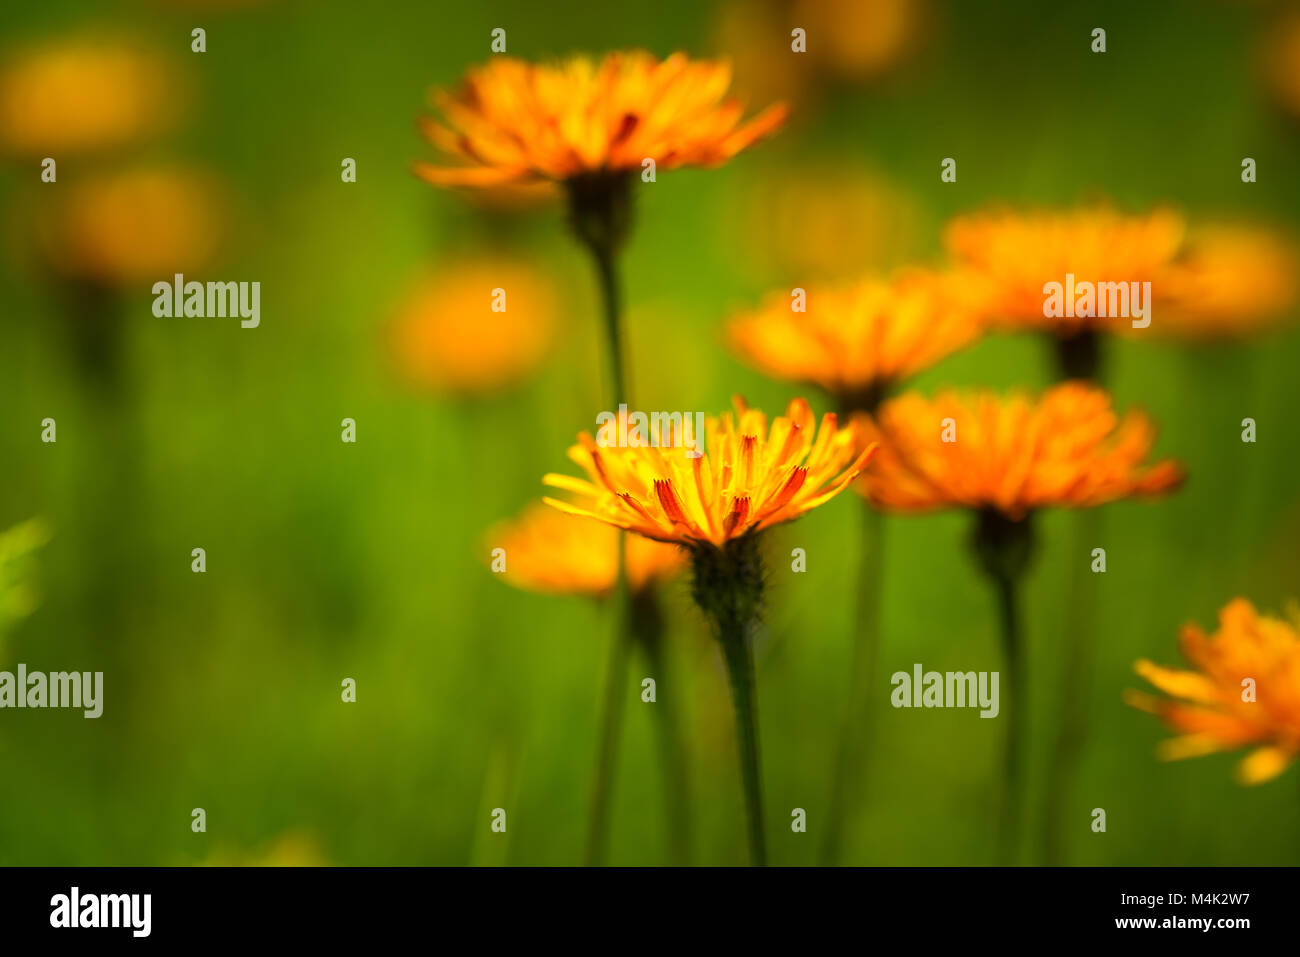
(448,338)
(549,552)
(1281,61)
(140,225)
(1244,691)
(858,40)
(83,95)
(516,121)
(751,478)
(1019,253)
(17,597)
(1012,455)
(1228,282)
(825,221)
(858,341)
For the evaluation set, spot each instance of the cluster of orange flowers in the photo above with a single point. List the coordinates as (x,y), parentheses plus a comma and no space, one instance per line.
(859,342)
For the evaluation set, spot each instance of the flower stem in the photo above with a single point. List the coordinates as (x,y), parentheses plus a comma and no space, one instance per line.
(648,630)
(738,655)
(1077,669)
(855,733)
(728,587)
(614,700)
(1003,546)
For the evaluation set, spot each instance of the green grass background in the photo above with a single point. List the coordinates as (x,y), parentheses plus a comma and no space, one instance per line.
(328,560)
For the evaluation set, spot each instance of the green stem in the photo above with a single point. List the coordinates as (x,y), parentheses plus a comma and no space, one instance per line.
(648,628)
(614,700)
(738,655)
(1077,668)
(1013,651)
(855,732)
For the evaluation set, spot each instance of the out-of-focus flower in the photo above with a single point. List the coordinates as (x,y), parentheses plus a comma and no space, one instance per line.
(858,341)
(447,336)
(515,121)
(751,477)
(1281,61)
(830,221)
(17,596)
(1020,252)
(125,227)
(1228,282)
(550,552)
(83,95)
(858,40)
(1013,455)
(1243,691)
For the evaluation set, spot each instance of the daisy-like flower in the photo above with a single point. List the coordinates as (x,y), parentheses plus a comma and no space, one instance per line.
(858,341)
(127,227)
(1229,282)
(752,477)
(1243,692)
(549,552)
(1003,459)
(1019,253)
(83,95)
(512,120)
(448,338)
(1011,455)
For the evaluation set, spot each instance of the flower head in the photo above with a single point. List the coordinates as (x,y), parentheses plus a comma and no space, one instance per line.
(1020,253)
(1215,708)
(141,224)
(515,121)
(448,338)
(982,451)
(82,95)
(857,341)
(1228,282)
(553,553)
(751,477)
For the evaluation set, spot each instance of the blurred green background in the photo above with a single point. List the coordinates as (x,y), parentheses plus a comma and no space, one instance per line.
(328,560)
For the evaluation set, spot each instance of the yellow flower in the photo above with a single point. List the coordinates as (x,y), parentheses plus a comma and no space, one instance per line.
(1015,454)
(515,121)
(749,478)
(547,551)
(858,341)
(1228,282)
(1019,253)
(134,226)
(82,95)
(1215,708)
(448,338)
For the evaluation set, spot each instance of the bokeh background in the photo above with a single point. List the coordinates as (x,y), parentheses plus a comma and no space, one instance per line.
(328,560)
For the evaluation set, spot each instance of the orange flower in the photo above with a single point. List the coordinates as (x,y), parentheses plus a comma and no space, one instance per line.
(1230,281)
(857,341)
(981,451)
(82,95)
(143,224)
(515,121)
(1217,708)
(751,477)
(549,552)
(448,338)
(1020,253)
